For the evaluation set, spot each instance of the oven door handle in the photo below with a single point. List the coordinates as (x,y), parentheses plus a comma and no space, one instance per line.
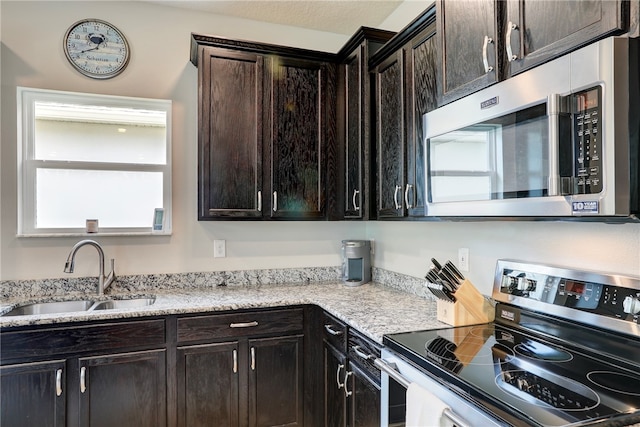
(455,418)
(391,370)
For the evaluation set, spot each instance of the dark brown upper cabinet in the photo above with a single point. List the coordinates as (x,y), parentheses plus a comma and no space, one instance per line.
(355,122)
(404,73)
(537,31)
(469,48)
(266,129)
(485,41)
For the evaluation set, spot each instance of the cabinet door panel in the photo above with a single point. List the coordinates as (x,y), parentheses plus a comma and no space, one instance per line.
(354,195)
(207,379)
(29,394)
(364,400)
(422,99)
(298,135)
(335,401)
(276,381)
(230,135)
(124,390)
(390,136)
(548,29)
(463,27)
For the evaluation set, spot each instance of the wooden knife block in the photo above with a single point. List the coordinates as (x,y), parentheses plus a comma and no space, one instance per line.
(470,308)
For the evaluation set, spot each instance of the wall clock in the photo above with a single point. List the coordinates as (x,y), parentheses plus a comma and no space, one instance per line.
(96,48)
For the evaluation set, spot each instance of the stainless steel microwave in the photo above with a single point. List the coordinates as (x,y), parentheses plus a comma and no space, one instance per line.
(559,140)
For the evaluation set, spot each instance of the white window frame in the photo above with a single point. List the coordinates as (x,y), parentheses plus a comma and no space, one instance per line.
(28,165)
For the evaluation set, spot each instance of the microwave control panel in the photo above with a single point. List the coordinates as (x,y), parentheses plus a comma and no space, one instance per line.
(587,115)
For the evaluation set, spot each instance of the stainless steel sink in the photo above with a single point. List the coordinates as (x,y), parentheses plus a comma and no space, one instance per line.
(50,308)
(123,303)
(83,305)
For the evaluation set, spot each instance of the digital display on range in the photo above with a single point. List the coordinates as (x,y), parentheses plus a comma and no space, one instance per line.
(574,287)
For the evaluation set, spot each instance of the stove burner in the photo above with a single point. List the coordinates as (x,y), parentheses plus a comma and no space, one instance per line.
(538,351)
(614,381)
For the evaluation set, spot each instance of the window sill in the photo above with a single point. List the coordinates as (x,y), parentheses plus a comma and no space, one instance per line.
(114,234)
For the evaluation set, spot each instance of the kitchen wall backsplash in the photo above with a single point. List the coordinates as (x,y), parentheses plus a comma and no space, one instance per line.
(20,290)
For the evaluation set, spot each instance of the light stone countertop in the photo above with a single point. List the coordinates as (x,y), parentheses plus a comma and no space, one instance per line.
(372,309)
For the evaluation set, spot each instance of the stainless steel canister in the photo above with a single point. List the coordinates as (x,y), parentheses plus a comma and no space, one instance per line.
(356,262)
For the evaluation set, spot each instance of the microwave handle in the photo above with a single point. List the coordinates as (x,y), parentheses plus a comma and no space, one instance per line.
(554,109)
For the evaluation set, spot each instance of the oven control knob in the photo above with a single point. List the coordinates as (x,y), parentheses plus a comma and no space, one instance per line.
(525,284)
(523,384)
(631,305)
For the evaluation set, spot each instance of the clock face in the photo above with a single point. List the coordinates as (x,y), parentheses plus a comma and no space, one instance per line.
(96,48)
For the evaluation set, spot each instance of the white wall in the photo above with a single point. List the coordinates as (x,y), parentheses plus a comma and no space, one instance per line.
(31,35)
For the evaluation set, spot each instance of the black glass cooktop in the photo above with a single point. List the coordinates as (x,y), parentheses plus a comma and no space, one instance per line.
(546,380)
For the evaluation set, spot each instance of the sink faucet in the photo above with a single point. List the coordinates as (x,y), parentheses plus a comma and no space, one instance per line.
(103,282)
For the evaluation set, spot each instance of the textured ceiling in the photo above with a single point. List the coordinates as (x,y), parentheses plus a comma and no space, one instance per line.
(342,17)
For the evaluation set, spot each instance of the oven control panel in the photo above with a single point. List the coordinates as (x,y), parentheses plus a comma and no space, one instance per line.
(563,291)
(587,148)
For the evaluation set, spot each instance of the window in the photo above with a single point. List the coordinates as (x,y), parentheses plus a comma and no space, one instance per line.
(85,156)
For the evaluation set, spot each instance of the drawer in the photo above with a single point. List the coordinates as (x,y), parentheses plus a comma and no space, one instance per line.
(362,351)
(334,331)
(68,340)
(251,323)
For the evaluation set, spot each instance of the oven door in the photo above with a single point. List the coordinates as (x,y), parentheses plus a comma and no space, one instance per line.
(398,374)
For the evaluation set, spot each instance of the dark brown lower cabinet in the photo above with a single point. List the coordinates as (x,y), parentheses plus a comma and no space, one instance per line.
(364,404)
(123,390)
(335,400)
(33,394)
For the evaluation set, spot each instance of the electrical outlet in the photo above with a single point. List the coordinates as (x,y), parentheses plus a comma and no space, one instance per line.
(463,259)
(219,248)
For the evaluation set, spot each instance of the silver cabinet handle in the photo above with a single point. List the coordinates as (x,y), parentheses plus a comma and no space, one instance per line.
(365,356)
(340,385)
(259,201)
(235,361)
(58,382)
(332,331)
(395,196)
(347,374)
(275,201)
(355,205)
(406,196)
(510,27)
(243,325)
(485,59)
(83,379)
(253,358)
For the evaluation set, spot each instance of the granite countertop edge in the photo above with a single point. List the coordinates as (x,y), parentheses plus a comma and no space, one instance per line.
(373,309)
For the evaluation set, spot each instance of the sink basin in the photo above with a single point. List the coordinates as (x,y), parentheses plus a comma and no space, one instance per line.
(123,303)
(50,308)
(73,306)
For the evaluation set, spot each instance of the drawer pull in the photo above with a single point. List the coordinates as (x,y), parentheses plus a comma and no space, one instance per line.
(58,382)
(332,331)
(235,361)
(244,325)
(83,379)
(365,356)
(253,358)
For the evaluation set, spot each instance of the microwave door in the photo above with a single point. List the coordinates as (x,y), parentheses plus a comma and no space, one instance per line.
(506,166)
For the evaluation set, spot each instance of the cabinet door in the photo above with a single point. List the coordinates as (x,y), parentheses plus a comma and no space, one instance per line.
(390,136)
(207,379)
(468,32)
(123,390)
(33,394)
(230,134)
(298,137)
(422,98)
(335,401)
(538,31)
(364,400)
(276,381)
(355,123)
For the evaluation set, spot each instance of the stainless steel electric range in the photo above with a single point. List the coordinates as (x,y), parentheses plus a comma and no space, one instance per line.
(564,350)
